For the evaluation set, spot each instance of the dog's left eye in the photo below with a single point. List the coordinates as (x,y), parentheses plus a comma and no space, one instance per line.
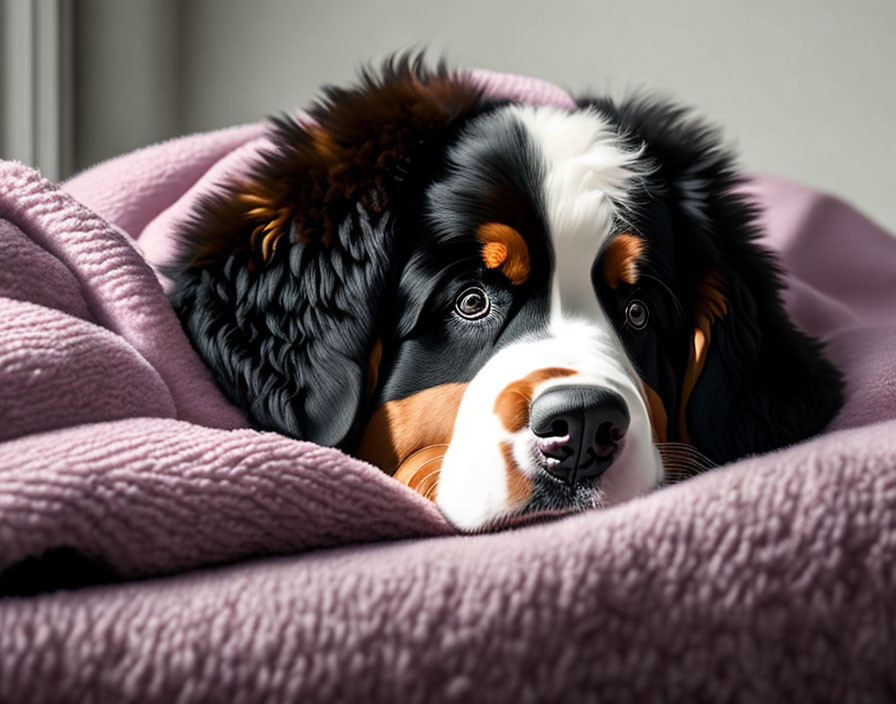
(637,315)
(472,303)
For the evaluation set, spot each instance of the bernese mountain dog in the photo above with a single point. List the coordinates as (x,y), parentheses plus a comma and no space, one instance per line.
(512,309)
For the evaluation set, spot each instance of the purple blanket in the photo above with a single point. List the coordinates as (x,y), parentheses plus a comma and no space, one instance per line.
(768,580)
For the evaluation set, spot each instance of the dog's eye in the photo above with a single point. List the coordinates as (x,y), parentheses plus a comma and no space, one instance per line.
(636,314)
(473,303)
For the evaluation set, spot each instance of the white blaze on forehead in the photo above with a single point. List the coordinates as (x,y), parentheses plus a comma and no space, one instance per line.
(589,178)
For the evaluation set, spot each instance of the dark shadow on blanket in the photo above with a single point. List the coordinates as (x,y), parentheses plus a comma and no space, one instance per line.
(57,568)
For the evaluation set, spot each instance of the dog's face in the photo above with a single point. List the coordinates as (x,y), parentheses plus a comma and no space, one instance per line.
(506,307)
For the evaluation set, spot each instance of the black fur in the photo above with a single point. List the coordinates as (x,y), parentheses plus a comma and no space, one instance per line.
(289,339)
(289,342)
(382,211)
(765,384)
(430,347)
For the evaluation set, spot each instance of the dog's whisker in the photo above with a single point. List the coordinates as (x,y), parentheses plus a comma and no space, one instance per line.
(685,451)
(684,469)
(421,449)
(432,490)
(430,460)
(440,340)
(689,469)
(685,461)
(689,466)
(679,452)
(434,473)
(678,307)
(427,447)
(682,461)
(522,395)
(679,472)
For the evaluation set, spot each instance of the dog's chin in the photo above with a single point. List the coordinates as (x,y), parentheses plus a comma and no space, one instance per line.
(550,499)
(550,495)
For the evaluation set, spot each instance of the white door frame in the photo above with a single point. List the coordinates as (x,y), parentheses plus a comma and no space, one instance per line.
(36,81)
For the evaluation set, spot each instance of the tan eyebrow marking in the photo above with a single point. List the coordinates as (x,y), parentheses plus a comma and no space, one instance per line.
(620,259)
(494,254)
(504,248)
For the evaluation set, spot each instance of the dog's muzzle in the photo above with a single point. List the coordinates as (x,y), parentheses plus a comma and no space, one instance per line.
(579,430)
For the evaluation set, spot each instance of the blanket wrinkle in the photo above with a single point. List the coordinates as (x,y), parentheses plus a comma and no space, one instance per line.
(50,356)
(608,611)
(188,496)
(155,238)
(129,190)
(119,288)
(246,566)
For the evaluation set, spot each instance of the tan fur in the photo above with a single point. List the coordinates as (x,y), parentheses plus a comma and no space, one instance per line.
(399,429)
(317,171)
(504,248)
(420,471)
(659,421)
(620,260)
(512,404)
(712,305)
(373,366)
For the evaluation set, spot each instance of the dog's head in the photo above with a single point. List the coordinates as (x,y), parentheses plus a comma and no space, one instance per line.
(507,307)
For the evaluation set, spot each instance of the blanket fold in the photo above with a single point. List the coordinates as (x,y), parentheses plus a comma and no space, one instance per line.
(116,290)
(772,579)
(146,496)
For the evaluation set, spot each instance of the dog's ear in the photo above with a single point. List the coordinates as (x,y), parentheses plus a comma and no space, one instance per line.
(283,279)
(752,381)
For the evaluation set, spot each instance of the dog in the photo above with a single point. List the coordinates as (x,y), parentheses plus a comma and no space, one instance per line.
(512,309)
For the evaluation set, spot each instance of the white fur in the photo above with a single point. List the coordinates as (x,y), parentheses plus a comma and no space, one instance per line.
(588,184)
(588,181)
(473,482)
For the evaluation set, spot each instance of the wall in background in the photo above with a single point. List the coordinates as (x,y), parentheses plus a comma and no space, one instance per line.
(802,88)
(128,73)
(36,84)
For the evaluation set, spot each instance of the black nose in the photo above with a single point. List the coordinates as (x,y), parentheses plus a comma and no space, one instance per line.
(579,429)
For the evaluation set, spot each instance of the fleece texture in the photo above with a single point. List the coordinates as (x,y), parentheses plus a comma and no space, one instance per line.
(244,566)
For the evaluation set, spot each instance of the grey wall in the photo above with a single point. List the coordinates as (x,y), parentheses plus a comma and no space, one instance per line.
(803,89)
(127,75)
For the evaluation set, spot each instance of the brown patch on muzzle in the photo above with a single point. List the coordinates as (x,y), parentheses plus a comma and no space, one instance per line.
(512,404)
(408,438)
(421,470)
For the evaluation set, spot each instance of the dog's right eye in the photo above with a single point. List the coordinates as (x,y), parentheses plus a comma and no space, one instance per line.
(473,303)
